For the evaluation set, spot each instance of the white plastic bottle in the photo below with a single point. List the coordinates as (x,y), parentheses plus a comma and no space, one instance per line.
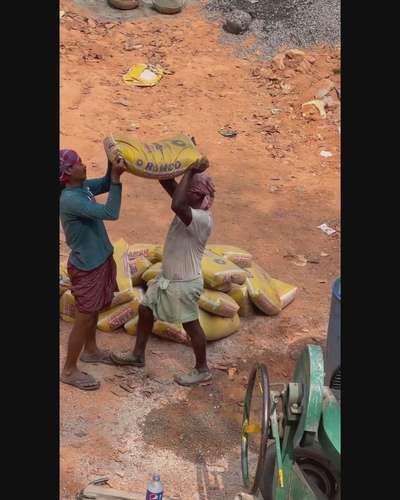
(155,491)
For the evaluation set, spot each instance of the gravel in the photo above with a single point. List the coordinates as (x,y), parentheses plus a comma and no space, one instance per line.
(284,24)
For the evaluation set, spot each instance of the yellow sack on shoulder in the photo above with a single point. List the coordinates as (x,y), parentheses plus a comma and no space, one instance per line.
(114,318)
(67,307)
(287,292)
(170,331)
(122,261)
(131,326)
(262,290)
(138,266)
(152,272)
(219,272)
(240,295)
(216,328)
(164,159)
(147,250)
(235,254)
(218,303)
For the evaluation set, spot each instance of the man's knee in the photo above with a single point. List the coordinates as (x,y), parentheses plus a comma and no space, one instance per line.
(87,319)
(193,328)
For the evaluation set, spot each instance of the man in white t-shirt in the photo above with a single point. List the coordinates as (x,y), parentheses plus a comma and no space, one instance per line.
(174,295)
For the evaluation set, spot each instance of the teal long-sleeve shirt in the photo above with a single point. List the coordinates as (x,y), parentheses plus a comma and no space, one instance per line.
(82,220)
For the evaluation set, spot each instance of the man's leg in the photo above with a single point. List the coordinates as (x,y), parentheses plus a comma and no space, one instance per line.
(83,326)
(200,373)
(91,353)
(144,329)
(90,346)
(199,343)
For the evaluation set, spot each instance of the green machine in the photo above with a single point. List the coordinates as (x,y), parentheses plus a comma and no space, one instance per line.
(291,431)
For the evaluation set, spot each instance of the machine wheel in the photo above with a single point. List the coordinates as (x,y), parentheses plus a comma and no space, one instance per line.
(318,470)
(259,370)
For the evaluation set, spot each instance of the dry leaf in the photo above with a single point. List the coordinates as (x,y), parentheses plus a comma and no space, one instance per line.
(232,372)
(318,104)
(221,367)
(126,388)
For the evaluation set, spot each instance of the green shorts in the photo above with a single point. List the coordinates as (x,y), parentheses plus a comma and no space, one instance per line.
(174,301)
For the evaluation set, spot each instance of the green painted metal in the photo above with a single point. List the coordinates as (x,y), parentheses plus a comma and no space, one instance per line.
(309,371)
(275,434)
(315,422)
(329,431)
(295,485)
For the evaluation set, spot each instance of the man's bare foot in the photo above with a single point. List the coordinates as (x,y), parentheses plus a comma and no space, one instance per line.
(80,380)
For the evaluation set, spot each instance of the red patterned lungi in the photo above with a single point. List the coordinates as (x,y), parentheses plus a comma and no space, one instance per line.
(94,290)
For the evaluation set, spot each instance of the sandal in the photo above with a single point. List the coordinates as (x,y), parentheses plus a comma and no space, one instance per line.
(127,359)
(103,357)
(82,381)
(194,377)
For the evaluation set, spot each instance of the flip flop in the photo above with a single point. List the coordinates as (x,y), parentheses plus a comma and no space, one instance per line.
(86,383)
(194,377)
(126,359)
(103,357)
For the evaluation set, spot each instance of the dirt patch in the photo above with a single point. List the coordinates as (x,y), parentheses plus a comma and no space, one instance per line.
(208,424)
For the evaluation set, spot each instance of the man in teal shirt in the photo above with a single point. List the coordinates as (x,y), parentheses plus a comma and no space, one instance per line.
(91,266)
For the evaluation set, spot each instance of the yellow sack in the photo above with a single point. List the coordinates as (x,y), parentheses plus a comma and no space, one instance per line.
(218,303)
(152,272)
(124,297)
(240,295)
(143,75)
(262,290)
(131,326)
(161,160)
(138,266)
(219,272)
(67,307)
(170,331)
(235,254)
(123,269)
(137,293)
(216,327)
(65,282)
(225,288)
(147,250)
(158,253)
(114,318)
(286,292)
(62,287)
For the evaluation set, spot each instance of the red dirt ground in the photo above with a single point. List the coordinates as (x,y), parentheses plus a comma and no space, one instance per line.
(273,190)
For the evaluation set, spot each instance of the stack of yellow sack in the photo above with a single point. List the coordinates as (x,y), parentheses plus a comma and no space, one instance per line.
(235,287)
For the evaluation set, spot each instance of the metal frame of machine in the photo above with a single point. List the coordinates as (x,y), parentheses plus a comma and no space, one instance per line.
(299,427)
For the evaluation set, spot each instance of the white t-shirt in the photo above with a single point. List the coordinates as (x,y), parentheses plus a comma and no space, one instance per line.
(184,246)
